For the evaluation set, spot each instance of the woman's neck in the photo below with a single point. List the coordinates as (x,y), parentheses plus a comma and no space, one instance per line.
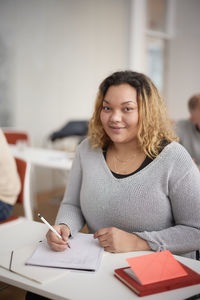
(124,158)
(126,149)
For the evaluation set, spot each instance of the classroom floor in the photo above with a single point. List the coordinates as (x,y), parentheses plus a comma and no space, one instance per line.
(11,293)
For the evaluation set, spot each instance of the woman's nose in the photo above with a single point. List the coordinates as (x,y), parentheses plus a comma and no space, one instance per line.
(116,116)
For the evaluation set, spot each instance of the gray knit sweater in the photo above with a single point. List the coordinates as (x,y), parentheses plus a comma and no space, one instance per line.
(160,203)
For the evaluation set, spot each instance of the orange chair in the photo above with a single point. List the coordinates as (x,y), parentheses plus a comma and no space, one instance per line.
(24,198)
(13,136)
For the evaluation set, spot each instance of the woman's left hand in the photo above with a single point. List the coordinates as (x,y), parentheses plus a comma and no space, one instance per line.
(116,240)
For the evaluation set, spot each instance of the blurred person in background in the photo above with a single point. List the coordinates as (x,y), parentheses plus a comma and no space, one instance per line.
(9,179)
(188,130)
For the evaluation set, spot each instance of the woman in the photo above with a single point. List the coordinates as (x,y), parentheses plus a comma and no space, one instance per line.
(131,182)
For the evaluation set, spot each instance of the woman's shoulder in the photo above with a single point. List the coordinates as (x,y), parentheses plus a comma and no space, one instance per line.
(84,144)
(85,151)
(175,147)
(173,159)
(85,147)
(175,152)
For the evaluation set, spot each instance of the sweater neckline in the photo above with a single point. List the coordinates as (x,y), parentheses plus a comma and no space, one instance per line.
(136,174)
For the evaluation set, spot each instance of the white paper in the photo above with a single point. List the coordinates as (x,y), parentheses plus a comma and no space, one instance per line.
(84,254)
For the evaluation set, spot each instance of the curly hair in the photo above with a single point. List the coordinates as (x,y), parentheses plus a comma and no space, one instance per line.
(154,126)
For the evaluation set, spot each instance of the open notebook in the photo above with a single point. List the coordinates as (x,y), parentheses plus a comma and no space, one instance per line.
(84,254)
(34,261)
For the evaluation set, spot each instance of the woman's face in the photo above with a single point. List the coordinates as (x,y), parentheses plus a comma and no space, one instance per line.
(119,114)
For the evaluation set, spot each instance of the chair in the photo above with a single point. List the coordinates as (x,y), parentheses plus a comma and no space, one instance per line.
(13,136)
(24,198)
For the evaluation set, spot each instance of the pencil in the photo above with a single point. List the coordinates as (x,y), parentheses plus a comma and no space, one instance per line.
(51,228)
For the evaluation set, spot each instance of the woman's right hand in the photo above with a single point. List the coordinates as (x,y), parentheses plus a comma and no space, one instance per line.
(55,242)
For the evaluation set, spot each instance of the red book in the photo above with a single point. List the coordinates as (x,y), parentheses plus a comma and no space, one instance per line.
(127,276)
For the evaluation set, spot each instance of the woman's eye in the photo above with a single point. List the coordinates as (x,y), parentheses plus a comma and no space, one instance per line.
(106,108)
(128,108)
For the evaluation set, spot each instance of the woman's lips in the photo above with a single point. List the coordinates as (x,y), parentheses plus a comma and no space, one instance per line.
(116,129)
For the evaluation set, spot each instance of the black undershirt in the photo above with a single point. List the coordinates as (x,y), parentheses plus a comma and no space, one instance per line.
(142,166)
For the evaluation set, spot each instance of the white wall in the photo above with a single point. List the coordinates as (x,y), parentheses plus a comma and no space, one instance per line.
(184,58)
(60,51)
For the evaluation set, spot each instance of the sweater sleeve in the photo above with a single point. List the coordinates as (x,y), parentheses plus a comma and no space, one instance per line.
(69,212)
(184,236)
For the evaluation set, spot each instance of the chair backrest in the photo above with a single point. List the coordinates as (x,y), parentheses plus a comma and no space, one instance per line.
(21,168)
(13,137)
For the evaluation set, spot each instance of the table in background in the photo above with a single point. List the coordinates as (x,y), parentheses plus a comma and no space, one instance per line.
(44,157)
(77,285)
(55,166)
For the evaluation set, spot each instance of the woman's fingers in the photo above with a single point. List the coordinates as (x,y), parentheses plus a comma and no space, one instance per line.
(54,241)
(58,247)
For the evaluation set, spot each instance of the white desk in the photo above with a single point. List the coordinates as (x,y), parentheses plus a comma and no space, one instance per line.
(41,157)
(75,285)
(44,157)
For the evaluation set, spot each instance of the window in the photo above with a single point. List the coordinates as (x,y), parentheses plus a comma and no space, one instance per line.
(159,19)
(155,53)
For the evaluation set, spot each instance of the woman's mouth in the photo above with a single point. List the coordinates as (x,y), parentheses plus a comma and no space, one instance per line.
(116,129)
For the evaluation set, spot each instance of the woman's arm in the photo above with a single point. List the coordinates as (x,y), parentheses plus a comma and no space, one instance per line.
(69,212)
(116,240)
(184,236)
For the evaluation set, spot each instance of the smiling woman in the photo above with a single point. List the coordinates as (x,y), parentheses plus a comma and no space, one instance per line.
(131,182)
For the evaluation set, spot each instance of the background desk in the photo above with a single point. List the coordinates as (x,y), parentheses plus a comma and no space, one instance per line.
(44,157)
(75,285)
(49,172)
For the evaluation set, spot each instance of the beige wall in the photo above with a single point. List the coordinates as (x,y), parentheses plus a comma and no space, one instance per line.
(184,58)
(60,51)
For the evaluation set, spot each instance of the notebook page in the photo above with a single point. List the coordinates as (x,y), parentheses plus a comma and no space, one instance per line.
(84,254)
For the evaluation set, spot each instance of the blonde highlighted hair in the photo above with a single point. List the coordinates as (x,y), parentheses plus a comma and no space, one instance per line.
(154,128)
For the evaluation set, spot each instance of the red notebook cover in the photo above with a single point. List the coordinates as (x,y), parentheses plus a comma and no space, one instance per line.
(148,289)
(155,267)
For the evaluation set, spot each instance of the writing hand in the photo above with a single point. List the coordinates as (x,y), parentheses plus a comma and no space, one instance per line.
(116,240)
(55,242)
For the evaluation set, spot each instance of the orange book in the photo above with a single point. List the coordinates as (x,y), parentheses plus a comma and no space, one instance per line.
(146,276)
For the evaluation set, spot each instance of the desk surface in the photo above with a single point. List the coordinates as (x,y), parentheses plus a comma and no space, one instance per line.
(77,285)
(44,157)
